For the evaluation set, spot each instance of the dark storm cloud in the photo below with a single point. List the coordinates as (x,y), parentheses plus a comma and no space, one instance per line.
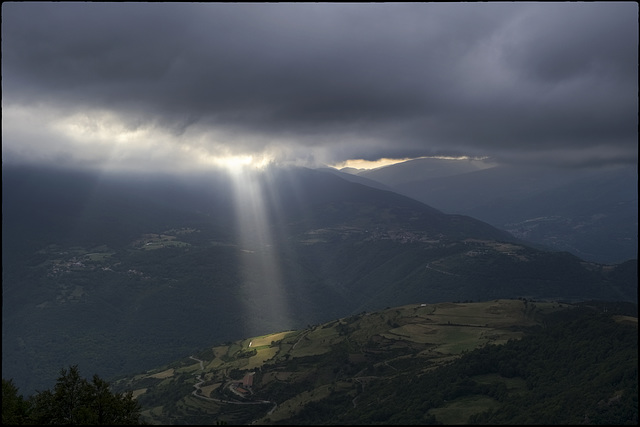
(548,81)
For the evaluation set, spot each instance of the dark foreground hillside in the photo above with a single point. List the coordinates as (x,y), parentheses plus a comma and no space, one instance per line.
(500,362)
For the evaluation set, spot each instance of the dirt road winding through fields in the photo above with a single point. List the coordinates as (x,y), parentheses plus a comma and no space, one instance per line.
(198,391)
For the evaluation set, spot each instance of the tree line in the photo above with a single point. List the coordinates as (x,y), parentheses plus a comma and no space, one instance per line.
(72,401)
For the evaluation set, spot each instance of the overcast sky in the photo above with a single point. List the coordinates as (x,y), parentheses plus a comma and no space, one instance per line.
(169,86)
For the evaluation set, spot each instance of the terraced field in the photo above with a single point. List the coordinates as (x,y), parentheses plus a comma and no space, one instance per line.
(289,369)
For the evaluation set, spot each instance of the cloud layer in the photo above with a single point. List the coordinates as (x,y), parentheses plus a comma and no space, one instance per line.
(178,85)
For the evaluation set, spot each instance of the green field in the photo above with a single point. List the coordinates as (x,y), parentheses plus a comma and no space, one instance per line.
(308,365)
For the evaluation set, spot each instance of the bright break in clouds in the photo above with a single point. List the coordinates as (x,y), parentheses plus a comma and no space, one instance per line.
(174,86)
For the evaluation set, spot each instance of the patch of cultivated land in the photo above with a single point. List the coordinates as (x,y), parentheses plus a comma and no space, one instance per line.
(289,362)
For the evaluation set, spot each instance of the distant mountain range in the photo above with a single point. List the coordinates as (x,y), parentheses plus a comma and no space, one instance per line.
(120,273)
(592,213)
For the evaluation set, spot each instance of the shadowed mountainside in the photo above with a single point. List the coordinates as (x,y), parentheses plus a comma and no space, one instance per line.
(592,213)
(118,273)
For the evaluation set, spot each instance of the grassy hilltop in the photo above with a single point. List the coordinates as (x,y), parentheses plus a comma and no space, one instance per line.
(413,364)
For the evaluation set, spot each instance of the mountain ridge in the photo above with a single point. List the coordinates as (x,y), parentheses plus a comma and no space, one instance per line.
(589,212)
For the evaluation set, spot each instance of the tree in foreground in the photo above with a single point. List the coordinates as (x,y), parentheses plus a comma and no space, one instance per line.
(15,408)
(74,400)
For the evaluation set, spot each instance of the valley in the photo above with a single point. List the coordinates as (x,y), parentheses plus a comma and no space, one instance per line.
(589,212)
(124,280)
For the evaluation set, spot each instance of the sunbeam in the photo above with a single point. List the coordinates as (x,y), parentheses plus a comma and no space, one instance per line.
(262,287)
